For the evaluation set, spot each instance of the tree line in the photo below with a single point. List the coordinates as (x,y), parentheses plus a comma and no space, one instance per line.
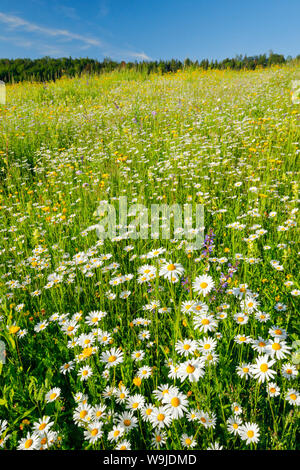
(47,68)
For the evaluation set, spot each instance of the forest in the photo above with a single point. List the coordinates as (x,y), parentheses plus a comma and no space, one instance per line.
(47,68)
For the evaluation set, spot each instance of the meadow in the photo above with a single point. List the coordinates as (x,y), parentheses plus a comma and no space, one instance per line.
(150,343)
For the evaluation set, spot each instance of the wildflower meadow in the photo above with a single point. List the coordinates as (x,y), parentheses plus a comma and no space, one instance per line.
(144,339)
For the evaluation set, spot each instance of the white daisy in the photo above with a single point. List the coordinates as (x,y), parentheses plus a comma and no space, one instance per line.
(203,284)
(262,369)
(249,432)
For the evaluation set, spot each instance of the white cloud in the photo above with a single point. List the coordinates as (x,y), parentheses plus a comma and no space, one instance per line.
(139,55)
(16,23)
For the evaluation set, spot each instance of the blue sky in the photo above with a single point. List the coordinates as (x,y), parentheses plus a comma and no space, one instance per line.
(148,29)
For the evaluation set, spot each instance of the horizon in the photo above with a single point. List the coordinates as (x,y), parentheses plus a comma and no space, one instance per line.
(267,54)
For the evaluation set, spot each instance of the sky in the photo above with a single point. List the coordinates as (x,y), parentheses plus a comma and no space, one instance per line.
(134,30)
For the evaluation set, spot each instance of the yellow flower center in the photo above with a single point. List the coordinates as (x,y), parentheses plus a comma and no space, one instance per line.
(293,396)
(52,396)
(186,347)
(175,402)
(87,352)
(94,432)
(205,321)
(250,433)
(83,414)
(276,346)
(112,359)
(28,443)
(188,441)
(264,367)
(42,426)
(203,285)
(171,267)
(160,417)
(206,346)
(190,369)
(127,422)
